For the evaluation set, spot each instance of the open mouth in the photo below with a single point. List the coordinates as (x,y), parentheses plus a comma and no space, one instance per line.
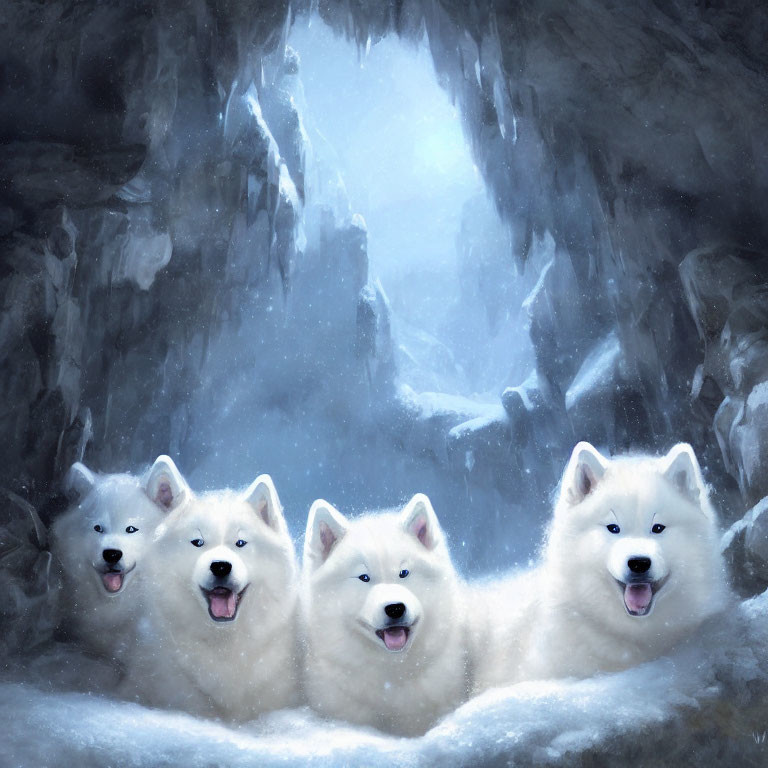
(223,602)
(638,595)
(395,638)
(113,579)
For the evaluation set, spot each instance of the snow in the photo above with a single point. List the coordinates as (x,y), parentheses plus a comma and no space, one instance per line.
(758,398)
(478,424)
(431,404)
(723,673)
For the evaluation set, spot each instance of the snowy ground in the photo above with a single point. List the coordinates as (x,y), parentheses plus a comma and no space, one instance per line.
(707,704)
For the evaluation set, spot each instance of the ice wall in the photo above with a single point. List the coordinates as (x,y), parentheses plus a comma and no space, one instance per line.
(159,290)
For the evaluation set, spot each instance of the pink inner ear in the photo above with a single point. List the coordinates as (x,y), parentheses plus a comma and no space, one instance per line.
(585,480)
(680,480)
(264,510)
(327,539)
(164,495)
(420,530)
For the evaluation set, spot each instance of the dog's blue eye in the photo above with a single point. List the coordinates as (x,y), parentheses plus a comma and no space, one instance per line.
(613,528)
(404,573)
(98,529)
(131,529)
(364,577)
(240,543)
(197,542)
(658,528)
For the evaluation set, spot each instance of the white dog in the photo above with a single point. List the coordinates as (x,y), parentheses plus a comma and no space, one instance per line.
(631,567)
(222,608)
(384,619)
(100,544)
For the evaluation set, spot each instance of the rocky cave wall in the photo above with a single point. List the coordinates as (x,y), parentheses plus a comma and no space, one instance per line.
(152,212)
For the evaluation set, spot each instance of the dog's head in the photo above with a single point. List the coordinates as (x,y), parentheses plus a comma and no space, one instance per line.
(632,531)
(382,577)
(104,537)
(225,553)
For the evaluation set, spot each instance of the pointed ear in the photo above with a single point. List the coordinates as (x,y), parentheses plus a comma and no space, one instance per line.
(681,468)
(165,485)
(262,496)
(584,472)
(79,482)
(419,519)
(326,526)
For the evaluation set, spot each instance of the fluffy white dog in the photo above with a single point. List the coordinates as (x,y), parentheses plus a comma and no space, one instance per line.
(222,608)
(384,618)
(631,567)
(100,544)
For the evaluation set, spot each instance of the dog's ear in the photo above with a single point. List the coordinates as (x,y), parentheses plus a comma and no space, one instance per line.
(79,482)
(165,485)
(326,527)
(262,496)
(419,519)
(585,470)
(681,468)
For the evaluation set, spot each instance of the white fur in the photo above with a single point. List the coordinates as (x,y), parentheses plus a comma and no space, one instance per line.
(234,669)
(568,617)
(349,673)
(103,621)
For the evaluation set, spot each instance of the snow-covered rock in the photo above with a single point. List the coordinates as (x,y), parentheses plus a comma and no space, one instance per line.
(745,546)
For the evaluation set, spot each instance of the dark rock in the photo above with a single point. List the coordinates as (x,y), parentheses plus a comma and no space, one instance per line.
(745,547)
(727,292)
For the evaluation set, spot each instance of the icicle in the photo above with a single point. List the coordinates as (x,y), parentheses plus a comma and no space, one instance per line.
(228,106)
(286,29)
(498,103)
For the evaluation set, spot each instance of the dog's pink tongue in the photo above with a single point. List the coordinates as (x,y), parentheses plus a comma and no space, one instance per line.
(112,581)
(395,638)
(223,604)
(638,597)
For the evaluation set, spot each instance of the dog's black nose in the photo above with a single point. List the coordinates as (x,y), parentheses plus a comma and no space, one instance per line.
(112,556)
(220,568)
(394,610)
(639,564)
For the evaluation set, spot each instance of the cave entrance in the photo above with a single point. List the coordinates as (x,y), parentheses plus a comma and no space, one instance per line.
(436,245)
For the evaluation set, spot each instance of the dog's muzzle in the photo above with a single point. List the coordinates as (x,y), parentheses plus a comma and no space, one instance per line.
(223,602)
(639,592)
(395,635)
(113,577)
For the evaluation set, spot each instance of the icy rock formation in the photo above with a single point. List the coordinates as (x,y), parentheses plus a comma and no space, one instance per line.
(146,205)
